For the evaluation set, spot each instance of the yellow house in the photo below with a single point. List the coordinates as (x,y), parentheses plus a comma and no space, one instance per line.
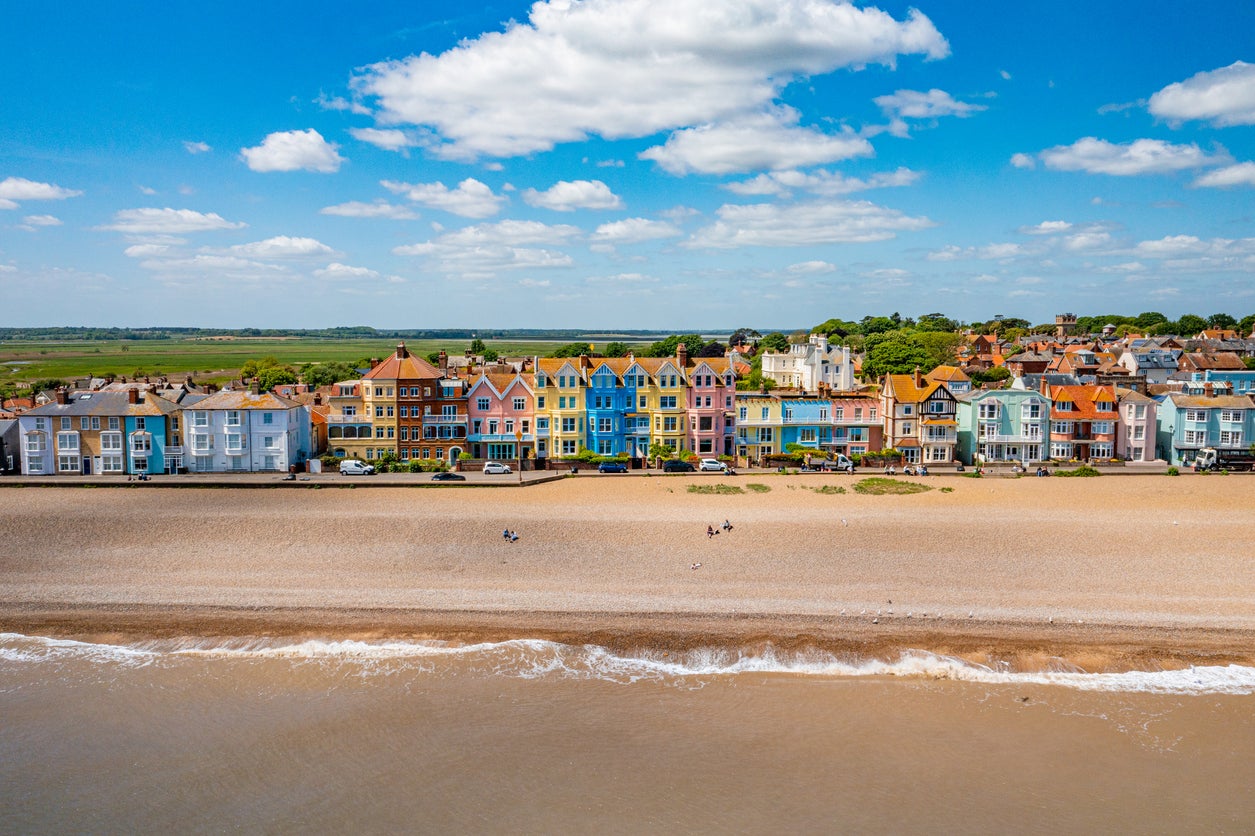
(759,421)
(560,414)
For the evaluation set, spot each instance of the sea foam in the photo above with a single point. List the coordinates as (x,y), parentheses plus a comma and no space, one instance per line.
(536,659)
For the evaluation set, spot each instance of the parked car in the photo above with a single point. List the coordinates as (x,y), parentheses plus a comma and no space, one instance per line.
(496,467)
(841,464)
(676,466)
(711,466)
(353,467)
(447,476)
(612,467)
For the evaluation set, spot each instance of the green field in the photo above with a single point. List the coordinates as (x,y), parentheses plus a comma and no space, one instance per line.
(209,359)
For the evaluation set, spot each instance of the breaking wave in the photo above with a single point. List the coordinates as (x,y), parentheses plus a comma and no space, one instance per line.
(534,659)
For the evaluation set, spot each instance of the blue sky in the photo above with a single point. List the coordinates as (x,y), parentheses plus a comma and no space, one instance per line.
(667,164)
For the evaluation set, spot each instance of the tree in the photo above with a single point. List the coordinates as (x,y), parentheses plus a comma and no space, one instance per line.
(775,341)
(714,348)
(570,350)
(935,322)
(1190,324)
(490,355)
(1246,325)
(1221,320)
(617,349)
(316,375)
(877,324)
(272,376)
(1149,320)
(895,353)
(942,347)
(660,451)
(743,336)
(997,373)
(477,346)
(693,343)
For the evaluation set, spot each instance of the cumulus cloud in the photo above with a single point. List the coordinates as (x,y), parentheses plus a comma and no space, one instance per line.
(630,68)
(378,209)
(820,182)
(1023,161)
(634,230)
(42,220)
(197,147)
(569,195)
(13,189)
(293,151)
(336,270)
(989,252)
(1142,156)
(915,104)
(198,267)
(622,279)
(769,140)
(1241,174)
(769,225)
(168,222)
(1046,228)
(340,103)
(146,250)
(1224,97)
(282,246)
(483,250)
(390,139)
(804,268)
(471,198)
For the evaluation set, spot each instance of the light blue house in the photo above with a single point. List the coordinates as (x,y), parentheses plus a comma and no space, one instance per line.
(1188,423)
(1002,425)
(806,422)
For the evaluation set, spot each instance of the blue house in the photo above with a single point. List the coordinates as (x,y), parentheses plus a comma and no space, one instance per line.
(806,422)
(608,398)
(1188,423)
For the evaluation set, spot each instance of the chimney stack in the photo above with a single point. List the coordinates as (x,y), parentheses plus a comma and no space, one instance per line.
(402,351)
(132,396)
(62,397)
(255,386)
(317,398)
(374,361)
(1209,390)
(444,362)
(682,356)
(919,380)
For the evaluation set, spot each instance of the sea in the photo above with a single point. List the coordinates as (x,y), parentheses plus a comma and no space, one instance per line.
(528,736)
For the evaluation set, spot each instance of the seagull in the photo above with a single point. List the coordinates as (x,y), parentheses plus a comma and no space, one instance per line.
(844,523)
(969,615)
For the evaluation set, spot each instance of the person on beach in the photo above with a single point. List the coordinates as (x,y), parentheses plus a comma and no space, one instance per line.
(505,534)
(710,531)
(727,526)
(514,536)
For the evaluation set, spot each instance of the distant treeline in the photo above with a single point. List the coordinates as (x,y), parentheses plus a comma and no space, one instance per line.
(359,332)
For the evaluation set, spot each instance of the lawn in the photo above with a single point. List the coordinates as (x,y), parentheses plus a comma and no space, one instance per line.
(881,485)
(208,359)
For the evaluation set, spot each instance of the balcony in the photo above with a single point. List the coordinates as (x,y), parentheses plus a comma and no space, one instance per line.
(348,419)
(443,418)
(1000,438)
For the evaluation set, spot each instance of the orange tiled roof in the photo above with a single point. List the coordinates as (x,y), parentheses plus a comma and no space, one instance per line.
(1085,400)
(403,365)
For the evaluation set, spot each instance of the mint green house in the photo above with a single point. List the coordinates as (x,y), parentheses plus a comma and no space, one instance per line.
(1002,425)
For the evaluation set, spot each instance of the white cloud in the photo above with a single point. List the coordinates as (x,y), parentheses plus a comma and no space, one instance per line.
(146,250)
(762,141)
(635,230)
(336,270)
(1224,97)
(768,225)
(1090,240)
(1241,174)
(820,182)
(914,104)
(7,268)
(378,209)
(471,198)
(146,190)
(19,188)
(1046,228)
(1006,76)
(199,267)
(1142,156)
(293,151)
(281,246)
(630,68)
(569,195)
(42,220)
(1023,161)
(622,279)
(989,252)
(483,250)
(197,147)
(811,268)
(534,283)
(389,140)
(168,221)
(340,103)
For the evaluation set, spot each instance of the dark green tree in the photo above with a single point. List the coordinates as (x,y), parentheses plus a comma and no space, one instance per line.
(775,341)
(316,375)
(617,349)
(1189,325)
(1221,320)
(272,376)
(896,352)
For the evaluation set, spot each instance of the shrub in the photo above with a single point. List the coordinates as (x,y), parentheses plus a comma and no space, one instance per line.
(1082,471)
(829,490)
(758,487)
(1174,471)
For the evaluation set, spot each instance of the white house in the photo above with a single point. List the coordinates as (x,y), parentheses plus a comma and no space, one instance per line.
(245,431)
(809,364)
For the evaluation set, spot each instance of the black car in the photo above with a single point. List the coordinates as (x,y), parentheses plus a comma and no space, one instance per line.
(447,476)
(612,467)
(677,467)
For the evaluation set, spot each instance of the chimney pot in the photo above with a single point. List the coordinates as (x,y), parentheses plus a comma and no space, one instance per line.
(132,396)
(62,397)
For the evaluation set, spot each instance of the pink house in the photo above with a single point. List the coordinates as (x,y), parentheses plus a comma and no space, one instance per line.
(500,413)
(710,392)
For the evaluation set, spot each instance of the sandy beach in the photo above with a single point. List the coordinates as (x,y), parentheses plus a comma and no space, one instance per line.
(1109,573)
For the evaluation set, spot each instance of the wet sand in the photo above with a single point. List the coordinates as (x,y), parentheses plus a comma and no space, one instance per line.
(1108,573)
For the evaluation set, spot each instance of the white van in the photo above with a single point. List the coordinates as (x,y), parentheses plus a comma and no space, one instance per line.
(353,467)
